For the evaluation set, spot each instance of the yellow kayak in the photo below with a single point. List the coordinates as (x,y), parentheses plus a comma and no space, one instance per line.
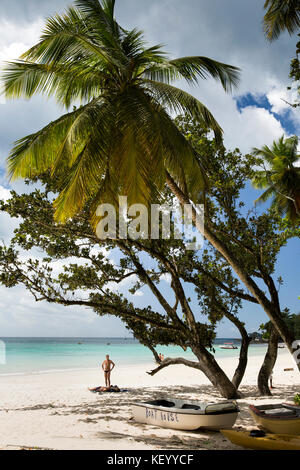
(263,442)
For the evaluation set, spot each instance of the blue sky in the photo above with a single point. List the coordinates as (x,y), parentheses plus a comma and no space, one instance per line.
(286,119)
(254,115)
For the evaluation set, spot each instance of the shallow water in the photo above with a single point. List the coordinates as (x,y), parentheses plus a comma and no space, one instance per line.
(42,355)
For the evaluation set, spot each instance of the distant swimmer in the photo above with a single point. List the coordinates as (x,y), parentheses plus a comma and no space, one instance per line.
(107,367)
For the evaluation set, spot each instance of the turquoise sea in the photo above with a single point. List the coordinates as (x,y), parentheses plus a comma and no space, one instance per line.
(42,355)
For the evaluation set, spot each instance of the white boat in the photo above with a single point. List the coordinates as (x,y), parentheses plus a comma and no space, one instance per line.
(186,415)
(228,346)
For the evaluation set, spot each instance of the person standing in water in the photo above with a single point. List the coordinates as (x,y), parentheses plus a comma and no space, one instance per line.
(107,367)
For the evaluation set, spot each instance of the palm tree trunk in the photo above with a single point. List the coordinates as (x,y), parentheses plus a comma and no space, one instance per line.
(276,319)
(268,364)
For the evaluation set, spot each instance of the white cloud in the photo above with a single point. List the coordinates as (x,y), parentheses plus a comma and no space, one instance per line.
(7,224)
(12,43)
(281,98)
(167,278)
(16,38)
(255,127)
(138,293)
(4,193)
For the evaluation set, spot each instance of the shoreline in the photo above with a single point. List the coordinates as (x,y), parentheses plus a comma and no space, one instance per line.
(57,411)
(146,365)
(255,350)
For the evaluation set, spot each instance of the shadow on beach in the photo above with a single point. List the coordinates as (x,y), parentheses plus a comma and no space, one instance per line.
(107,416)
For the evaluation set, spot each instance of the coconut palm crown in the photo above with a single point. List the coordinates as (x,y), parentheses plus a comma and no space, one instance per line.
(281,177)
(281,15)
(120,138)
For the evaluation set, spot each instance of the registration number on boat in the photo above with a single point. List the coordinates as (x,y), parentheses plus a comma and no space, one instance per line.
(161,415)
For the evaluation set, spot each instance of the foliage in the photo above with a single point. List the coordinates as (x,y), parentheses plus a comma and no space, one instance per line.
(89,277)
(121,140)
(280,177)
(292,320)
(281,15)
(297,399)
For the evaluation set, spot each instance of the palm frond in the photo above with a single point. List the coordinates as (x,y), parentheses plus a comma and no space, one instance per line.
(179,101)
(67,83)
(281,15)
(266,195)
(122,140)
(68,37)
(193,68)
(61,139)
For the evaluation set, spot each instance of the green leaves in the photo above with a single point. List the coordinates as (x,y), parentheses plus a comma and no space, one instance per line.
(281,15)
(122,140)
(280,177)
(191,68)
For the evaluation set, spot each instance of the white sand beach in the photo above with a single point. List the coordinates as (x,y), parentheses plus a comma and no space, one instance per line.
(57,411)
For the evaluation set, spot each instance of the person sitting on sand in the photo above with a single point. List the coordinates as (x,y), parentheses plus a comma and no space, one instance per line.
(107,367)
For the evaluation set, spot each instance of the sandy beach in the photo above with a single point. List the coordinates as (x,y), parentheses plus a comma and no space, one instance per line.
(57,411)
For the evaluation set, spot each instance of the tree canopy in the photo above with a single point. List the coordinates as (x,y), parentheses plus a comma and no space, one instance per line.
(89,278)
(122,139)
(280,177)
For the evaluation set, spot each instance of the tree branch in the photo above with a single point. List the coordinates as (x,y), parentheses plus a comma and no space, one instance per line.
(171,362)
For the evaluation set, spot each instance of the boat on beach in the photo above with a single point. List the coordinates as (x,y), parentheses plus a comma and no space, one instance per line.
(186,415)
(262,441)
(281,418)
(228,346)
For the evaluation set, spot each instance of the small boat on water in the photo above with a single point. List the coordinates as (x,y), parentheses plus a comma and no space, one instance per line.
(258,440)
(186,415)
(281,419)
(228,346)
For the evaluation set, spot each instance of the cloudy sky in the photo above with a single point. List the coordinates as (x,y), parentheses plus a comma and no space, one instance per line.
(229,31)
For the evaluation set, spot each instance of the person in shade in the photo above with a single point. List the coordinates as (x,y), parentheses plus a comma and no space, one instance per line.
(107,366)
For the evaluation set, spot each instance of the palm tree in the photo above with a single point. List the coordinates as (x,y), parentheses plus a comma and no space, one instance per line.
(281,15)
(280,177)
(122,139)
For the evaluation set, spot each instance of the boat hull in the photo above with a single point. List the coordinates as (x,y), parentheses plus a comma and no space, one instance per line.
(267,442)
(280,425)
(174,419)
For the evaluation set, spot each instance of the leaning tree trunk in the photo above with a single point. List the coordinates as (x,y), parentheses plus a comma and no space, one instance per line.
(268,364)
(154,352)
(243,357)
(214,373)
(263,301)
(206,364)
(243,360)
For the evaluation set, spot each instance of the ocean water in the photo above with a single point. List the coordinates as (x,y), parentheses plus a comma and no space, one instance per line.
(44,355)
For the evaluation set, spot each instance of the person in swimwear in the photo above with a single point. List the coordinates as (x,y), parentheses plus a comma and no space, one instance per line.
(107,367)
(112,388)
